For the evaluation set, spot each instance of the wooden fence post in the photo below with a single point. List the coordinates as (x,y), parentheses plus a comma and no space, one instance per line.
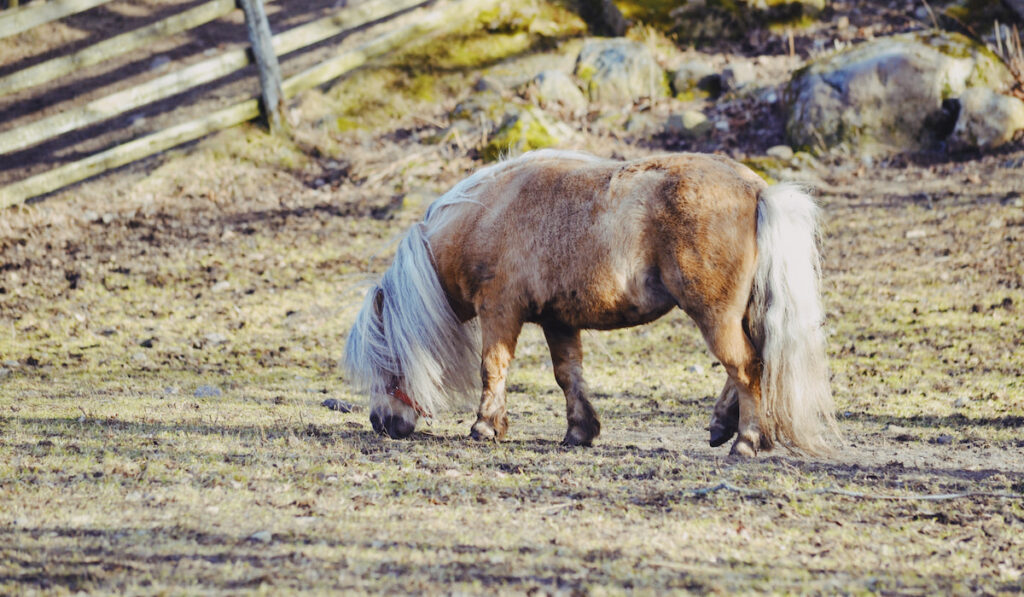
(266,63)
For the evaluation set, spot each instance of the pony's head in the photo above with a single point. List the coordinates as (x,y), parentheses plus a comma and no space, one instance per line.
(371,359)
(394,413)
(407,350)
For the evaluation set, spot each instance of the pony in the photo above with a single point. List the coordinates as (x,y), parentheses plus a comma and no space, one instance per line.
(570,241)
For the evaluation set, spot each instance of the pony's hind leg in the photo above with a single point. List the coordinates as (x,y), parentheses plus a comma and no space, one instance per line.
(729,343)
(499,347)
(725,418)
(567,359)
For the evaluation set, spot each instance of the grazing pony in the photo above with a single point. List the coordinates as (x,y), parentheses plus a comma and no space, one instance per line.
(570,241)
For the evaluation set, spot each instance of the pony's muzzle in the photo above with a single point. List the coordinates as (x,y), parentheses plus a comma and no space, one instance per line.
(393,426)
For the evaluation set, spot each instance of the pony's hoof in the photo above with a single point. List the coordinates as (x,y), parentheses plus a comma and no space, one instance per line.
(743,448)
(724,424)
(582,433)
(574,438)
(482,431)
(720,434)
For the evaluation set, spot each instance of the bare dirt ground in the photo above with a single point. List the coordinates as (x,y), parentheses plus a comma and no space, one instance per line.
(168,332)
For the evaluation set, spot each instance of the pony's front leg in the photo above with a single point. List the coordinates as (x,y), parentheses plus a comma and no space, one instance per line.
(567,359)
(725,418)
(499,346)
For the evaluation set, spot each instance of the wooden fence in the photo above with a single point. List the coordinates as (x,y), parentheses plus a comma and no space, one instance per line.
(264,47)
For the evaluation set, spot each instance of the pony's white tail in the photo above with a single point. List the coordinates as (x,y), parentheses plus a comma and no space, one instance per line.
(785,323)
(406,329)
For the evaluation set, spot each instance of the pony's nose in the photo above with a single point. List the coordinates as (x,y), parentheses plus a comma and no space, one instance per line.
(391,426)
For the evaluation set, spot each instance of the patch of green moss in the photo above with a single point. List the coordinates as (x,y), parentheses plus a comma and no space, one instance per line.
(345,124)
(423,87)
(691,94)
(586,72)
(521,134)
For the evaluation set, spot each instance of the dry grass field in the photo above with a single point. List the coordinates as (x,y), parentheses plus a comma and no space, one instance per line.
(169,332)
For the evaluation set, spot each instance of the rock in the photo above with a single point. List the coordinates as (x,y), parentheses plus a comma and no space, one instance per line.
(780,152)
(987,119)
(338,405)
(620,71)
(695,369)
(220,286)
(491,84)
(642,124)
(261,537)
(475,118)
(696,79)
(689,123)
(555,89)
(736,75)
(523,131)
(887,95)
(207,392)
(915,233)
(4,372)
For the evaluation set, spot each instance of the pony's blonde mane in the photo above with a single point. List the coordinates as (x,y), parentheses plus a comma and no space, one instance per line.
(410,331)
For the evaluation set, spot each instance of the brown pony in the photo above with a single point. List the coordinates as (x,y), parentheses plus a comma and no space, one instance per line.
(570,241)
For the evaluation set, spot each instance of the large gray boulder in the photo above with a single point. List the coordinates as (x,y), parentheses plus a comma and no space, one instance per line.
(620,72)
(887,95)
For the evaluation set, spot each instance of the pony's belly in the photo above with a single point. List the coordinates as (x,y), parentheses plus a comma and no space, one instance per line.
(630,316)
(583,310)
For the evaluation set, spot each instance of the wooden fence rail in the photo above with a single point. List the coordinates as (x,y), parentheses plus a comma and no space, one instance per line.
(115,46)
(23,18)
(206,71)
